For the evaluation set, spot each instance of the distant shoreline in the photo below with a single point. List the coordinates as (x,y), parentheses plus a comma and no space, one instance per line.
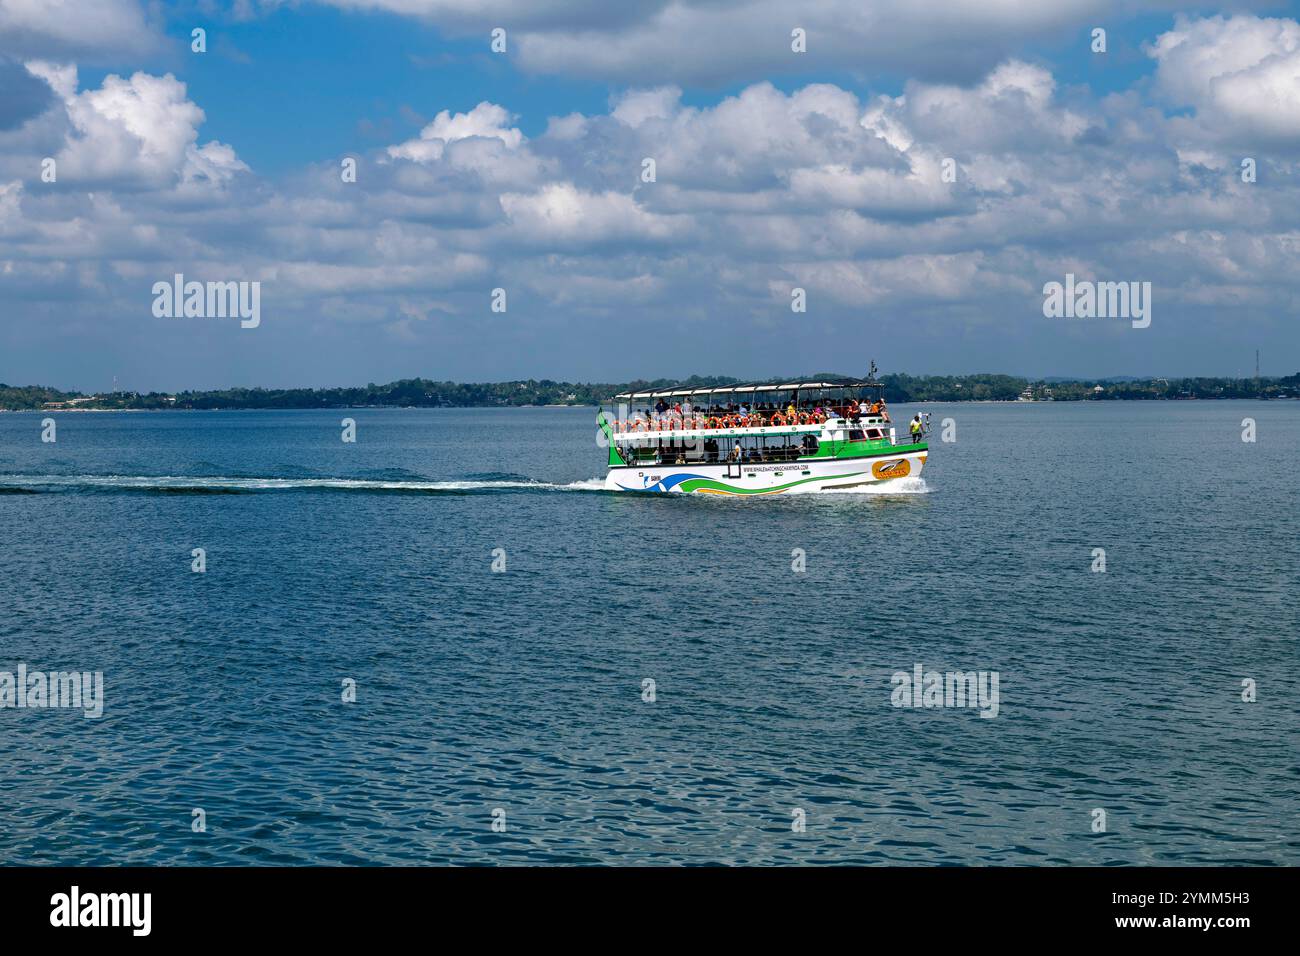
(532,393)
(506,408)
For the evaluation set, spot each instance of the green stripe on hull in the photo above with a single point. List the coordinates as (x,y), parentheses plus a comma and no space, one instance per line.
(710,486)
(863,449)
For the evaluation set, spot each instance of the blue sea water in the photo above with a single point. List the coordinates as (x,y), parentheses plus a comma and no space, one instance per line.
(522,691)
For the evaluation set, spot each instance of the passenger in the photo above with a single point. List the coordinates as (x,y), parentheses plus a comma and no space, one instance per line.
(687,409)
(661,406)
(855,412)
(681,458)
(735,452)
(791,411)
(915,429)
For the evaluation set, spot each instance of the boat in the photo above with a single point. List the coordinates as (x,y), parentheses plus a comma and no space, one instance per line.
(768,438)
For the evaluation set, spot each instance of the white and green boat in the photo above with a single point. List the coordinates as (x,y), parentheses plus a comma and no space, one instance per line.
(757,439)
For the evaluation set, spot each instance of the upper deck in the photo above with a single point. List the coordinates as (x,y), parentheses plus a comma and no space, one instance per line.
(669,426)
(770,393)
(758,409)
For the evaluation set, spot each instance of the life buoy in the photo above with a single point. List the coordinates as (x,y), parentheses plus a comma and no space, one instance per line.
(803,419)
(713,423)
(778,419)
(640,424)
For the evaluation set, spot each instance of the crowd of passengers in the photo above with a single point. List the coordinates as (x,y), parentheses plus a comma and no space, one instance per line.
(682,412)
(711,453)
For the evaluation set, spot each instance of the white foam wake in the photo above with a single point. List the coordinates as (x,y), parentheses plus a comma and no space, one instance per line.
(220,483)
(895,486)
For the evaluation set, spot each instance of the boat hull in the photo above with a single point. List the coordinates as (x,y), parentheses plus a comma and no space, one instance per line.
(768,478)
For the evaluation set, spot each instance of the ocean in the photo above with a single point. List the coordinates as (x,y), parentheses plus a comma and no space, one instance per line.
(650,679)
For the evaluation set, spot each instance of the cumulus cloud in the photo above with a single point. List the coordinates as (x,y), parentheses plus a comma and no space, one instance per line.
(637,106)
(141,130)
(46,28)
(1241,73)
(561,213)
(487,121)
(1013,105)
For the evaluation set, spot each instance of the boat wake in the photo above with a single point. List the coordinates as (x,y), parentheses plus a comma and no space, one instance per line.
(895,486)
(181,485)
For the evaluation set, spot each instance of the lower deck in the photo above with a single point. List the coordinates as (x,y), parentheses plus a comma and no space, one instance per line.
(765,478)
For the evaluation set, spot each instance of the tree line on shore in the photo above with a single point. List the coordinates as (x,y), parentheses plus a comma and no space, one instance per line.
(426,393)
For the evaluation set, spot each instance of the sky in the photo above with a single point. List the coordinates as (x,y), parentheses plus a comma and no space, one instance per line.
(834,181)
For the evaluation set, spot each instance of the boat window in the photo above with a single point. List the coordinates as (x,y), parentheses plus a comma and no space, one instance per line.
(856,434)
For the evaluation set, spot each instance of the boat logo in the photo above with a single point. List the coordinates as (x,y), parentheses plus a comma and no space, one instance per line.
(897,468)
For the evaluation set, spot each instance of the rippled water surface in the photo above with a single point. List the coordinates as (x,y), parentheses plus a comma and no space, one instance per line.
(522,690)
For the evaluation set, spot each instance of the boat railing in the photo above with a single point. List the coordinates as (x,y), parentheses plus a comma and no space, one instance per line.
(715,422)
(723,459)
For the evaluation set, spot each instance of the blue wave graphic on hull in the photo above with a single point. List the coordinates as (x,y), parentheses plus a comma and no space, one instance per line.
(667,484)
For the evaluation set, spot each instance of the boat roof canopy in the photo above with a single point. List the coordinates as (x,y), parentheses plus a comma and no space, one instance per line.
(680,391)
